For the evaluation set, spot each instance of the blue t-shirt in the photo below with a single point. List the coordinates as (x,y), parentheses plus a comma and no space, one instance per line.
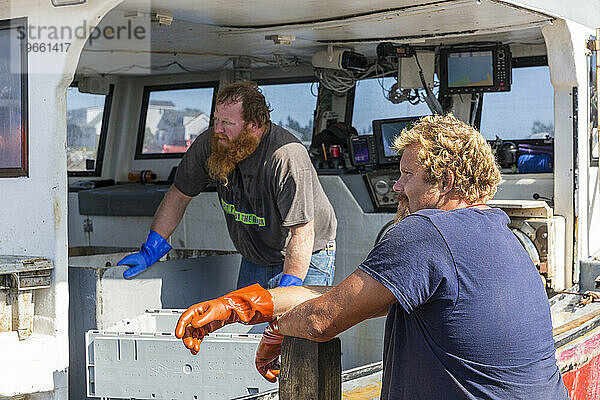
(472,320)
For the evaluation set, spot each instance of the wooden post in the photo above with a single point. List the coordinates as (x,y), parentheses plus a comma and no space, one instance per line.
(310,370)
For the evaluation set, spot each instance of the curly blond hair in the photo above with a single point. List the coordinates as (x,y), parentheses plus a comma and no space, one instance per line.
(450,144)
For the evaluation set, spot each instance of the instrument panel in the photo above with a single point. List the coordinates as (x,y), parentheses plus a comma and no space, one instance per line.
(380,184)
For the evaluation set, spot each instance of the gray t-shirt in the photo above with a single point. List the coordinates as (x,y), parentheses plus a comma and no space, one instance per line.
(273,189)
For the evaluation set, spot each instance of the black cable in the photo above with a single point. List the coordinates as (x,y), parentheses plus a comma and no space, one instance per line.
(430,100)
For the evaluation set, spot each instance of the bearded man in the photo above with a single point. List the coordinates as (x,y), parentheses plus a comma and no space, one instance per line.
(277,214)
(467,313)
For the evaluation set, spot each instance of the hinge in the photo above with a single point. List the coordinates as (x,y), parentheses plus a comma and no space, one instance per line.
(88,226)
(593,44)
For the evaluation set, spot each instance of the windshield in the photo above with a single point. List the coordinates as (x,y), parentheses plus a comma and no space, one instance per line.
(526,112)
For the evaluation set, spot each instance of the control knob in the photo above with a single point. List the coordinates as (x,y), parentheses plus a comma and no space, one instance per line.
(382,187)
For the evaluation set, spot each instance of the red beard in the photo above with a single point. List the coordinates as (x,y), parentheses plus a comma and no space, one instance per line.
(225,156)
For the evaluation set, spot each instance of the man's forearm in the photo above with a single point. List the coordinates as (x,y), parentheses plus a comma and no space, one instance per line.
(356,298)
(299,250)
(170,212)
(286,298)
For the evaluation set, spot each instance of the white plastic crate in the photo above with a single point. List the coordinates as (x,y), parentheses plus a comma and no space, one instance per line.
(156,365)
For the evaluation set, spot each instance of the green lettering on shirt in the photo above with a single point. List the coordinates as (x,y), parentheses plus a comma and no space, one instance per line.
(248,219)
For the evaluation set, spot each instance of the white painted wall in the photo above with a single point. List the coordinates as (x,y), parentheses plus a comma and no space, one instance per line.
(33,209)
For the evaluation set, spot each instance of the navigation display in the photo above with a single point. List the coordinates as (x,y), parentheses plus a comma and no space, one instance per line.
(385,131)
(389,132)
(361,151)
(470,69)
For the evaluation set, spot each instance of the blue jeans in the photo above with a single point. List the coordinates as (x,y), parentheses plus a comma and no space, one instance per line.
(320,272)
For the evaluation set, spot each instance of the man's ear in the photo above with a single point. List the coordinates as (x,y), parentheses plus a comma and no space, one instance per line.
(255,128)
(447,182)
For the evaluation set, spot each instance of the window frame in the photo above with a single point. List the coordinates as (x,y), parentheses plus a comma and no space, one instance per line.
(103,135)
(23,170)
(517,63)
(144,112)
(350,103)
(312,79)
(290,81)
(286,80)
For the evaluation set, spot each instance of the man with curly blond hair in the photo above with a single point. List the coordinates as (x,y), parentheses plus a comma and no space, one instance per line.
(467,314)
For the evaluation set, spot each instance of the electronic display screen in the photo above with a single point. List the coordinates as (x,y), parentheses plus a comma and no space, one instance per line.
(470,69)
(360,150)
(385,131)
(389,131)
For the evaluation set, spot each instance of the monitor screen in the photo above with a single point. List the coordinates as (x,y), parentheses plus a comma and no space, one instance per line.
(470,69)
(477,69)
(360,151)
(385,131)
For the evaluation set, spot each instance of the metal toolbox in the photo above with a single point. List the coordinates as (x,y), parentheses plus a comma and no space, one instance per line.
(126,363)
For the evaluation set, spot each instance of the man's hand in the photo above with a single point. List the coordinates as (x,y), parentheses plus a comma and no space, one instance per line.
(194,336)
(152,251)
(288,280)
(268,352)
(249,305)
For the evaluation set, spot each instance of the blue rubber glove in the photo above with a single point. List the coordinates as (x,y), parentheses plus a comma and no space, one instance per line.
(152,251)
(290,280)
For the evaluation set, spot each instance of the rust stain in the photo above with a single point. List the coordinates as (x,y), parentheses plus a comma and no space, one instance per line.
(57,213)
(5,311)
(369,392)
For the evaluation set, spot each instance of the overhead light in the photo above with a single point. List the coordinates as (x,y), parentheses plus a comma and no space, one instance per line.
(133,14)
(60,3)
(161,18)
(281,39)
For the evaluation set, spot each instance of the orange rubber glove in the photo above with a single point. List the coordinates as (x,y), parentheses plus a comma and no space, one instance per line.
(249,305)
(268,352)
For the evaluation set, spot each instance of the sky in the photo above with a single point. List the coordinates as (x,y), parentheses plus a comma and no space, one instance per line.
(198,98)
(511,115)
(508,115)
(76,100)
(370,104)
(295,100)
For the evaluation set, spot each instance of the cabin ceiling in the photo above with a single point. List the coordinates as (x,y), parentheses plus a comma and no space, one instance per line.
(205,36)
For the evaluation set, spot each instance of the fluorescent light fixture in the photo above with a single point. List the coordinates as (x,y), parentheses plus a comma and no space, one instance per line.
(60,3)
(281,39)
(161,17)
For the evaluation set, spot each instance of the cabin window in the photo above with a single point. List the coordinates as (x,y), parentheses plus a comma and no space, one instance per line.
(526,112)
(520,124)
(172,117)
(371,102)
(13,98)
(293,105)
(87,125)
